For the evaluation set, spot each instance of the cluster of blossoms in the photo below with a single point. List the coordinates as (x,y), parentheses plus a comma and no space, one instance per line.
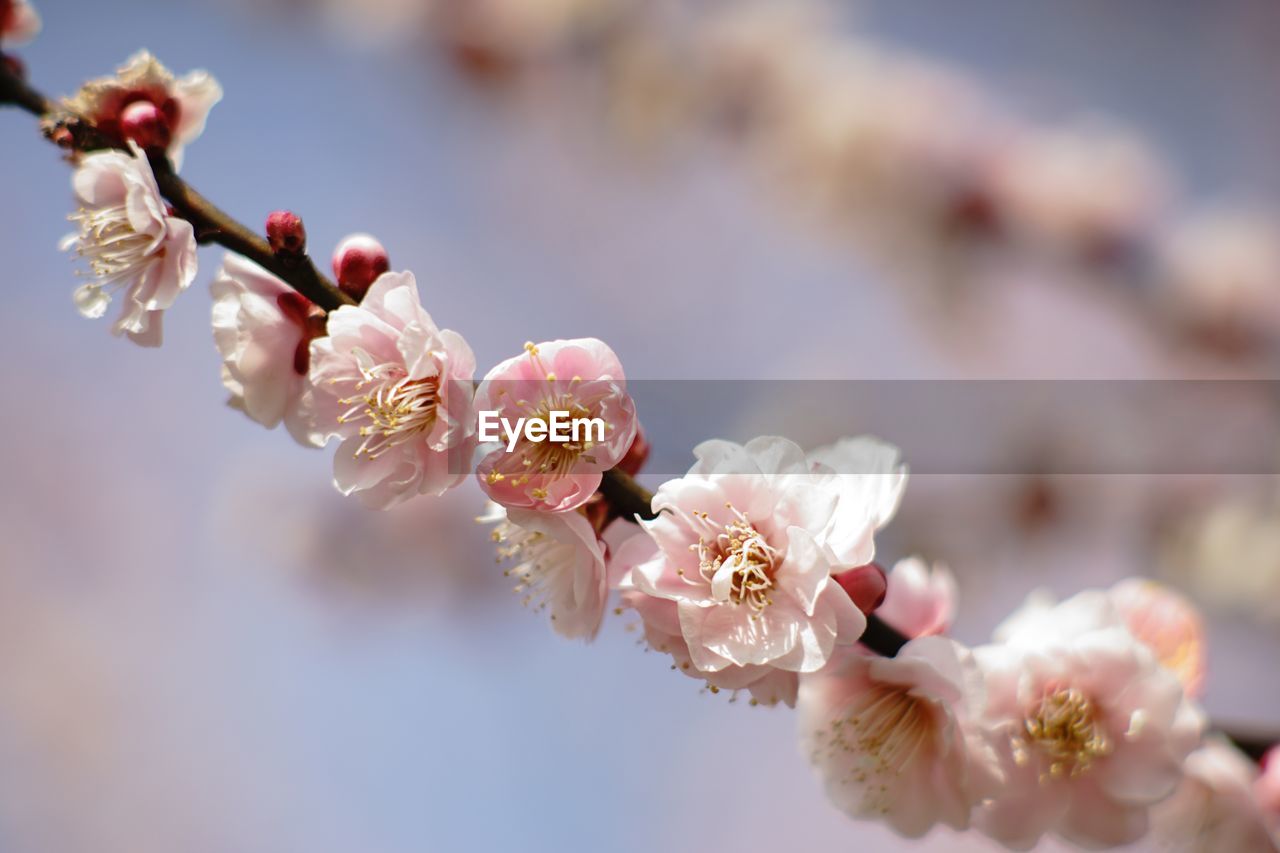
(911,154)
(755,571)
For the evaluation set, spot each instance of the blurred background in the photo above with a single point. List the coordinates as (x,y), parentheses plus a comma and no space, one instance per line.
(204,648)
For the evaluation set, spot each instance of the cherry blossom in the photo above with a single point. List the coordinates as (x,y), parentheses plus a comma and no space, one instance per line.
(1095,729)
(1158,617)
(130,243)
(1214,808)
(19,22)
(746,545)
(1085,187)
(559,563)
(397,391)
(920,600)
(263,329)
(1168,624)
(184,102)
(897,739)
(582,378)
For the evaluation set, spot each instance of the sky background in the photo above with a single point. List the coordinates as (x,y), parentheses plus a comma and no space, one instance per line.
(203,648)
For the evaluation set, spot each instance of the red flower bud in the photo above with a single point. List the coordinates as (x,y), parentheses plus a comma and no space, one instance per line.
(357,263)
(142,122)
(866,585)
(286,233)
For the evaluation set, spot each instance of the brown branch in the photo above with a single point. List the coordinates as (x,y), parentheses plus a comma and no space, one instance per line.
(211,223)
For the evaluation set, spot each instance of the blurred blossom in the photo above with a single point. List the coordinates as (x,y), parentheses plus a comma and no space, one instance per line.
(19,21)
(490,37)
(1229,555)
(1097,729)
(1087,188)
(1168,624)
(920,599)
(1222,271)
(1214,808)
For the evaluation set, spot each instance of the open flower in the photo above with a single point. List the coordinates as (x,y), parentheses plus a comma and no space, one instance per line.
(896,738)
(919,600)
(397,390)
(130,243)
(1095,729)
(559,565)
(263,329)
(183,102)
(747,542)
(580,378)
(1159,618)
(1214,808)
(19,22)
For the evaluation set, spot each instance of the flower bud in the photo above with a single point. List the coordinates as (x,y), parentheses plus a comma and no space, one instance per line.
(146,125)
(357,263)
(866,585)
(286,233)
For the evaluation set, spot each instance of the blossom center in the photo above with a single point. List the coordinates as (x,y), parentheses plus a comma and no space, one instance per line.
(109,244)
(876,739)
(391,408)
(737,553)
(1066,729)
(539,559)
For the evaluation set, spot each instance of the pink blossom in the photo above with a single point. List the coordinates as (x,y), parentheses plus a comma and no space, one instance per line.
(559,565)
(1087,187)
(896,739)
(1214,808)
(660,620)
(1168,624)
(1158,617)
(19,22)
(184,102)
(870,474)
(1095,729)
(747,542)
(397,390)
(920,600)
(130,243)
(581,377)
(263,329)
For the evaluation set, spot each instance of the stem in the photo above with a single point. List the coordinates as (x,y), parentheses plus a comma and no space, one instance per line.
(15,92)
(209,221)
